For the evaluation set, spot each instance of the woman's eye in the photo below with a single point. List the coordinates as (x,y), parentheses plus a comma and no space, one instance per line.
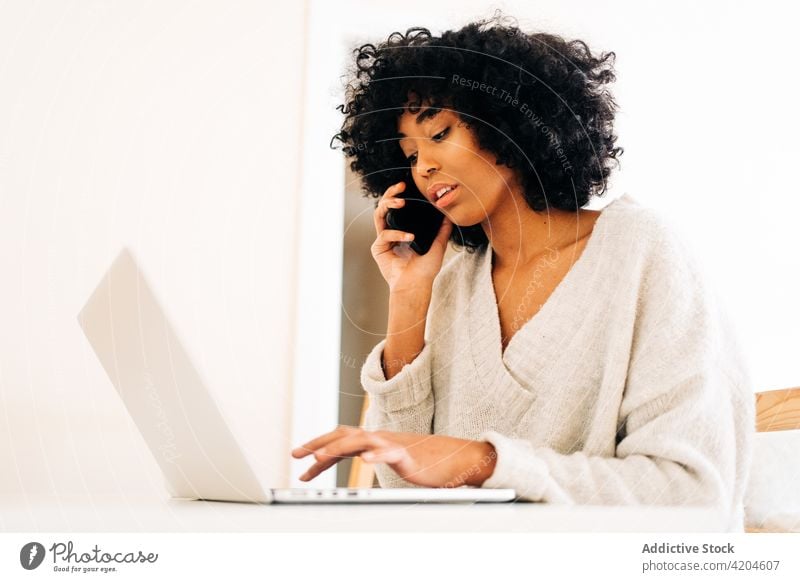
(439,136)
(412,159)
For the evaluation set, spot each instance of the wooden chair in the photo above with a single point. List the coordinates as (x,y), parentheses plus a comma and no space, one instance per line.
(361,474)
(776,410)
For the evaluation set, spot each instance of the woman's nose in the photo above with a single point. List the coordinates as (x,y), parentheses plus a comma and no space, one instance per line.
(426,165)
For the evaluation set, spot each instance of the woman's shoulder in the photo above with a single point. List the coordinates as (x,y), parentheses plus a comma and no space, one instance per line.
(650,233)
(677,299)
(627,213)
(671,275)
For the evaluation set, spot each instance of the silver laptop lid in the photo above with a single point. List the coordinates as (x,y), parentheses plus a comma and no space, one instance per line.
(163,391)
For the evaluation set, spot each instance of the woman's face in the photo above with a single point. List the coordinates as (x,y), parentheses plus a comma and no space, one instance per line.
(442,151)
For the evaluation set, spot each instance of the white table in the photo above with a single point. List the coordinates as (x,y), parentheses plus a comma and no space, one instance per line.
(173,515)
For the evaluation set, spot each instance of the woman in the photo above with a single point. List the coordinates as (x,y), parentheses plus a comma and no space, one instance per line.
(573,355)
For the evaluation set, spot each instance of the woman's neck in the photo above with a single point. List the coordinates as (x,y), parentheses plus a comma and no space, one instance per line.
(519,235)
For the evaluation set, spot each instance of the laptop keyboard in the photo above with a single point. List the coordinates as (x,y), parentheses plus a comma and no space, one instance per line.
(338,493)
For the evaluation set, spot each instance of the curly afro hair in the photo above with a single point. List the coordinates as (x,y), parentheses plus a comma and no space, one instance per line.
(538,102)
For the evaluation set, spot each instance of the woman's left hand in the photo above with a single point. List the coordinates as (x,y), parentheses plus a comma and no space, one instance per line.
(422,459)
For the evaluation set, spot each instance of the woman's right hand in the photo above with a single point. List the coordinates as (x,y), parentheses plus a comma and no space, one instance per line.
(405,271)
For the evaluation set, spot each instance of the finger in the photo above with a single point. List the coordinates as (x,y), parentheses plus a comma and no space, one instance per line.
(388,202)
(312,445)
(379,216)
(382,210)
(445,230)
(385,239)
(342,448)
(384,206)
(394,190)
(384,455)
(350,446)
(318,468)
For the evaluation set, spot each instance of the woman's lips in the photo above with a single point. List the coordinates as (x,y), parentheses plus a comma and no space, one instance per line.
(447,199)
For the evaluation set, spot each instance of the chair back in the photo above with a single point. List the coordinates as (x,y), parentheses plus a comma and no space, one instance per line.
(778,410)
(769,491)
(362,474)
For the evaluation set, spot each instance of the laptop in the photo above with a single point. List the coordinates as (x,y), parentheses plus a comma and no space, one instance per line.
(177,416)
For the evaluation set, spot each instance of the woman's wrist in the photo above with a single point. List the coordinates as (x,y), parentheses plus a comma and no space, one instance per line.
(405,332)
(412,302)
(483,466)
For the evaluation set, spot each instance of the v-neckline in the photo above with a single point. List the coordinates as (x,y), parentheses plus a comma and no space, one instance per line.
(488,316)
(489,259)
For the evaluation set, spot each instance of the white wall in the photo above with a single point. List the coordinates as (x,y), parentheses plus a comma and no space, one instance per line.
(171,127)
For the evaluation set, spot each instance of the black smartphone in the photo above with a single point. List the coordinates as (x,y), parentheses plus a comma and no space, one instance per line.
(417,216)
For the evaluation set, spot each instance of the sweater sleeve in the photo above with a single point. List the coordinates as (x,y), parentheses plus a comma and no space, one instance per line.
(685,420)
(403,403)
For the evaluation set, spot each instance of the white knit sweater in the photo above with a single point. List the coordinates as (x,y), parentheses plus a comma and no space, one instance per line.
(627,386)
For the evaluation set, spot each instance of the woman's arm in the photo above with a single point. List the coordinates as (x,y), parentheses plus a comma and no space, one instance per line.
(405,333)
(686,418)
(397,376)
(687,446)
